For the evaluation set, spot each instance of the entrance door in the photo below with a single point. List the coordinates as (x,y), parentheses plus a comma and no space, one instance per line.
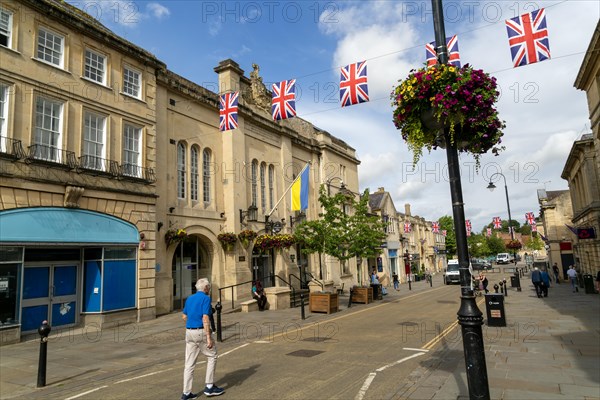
(49,293)
(262,268)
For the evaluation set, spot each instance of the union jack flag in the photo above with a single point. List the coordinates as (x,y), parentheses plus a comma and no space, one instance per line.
(533,227)
(435,227)
(444,232)
(468,224)
(528,38)
(489,232)
(283,105)
(497,222)
(228,111)
(453,54)
(353,84)
(530,218)
(407,227)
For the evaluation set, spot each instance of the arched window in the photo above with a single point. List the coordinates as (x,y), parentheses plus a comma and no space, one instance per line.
(263,185)
(271,185)
(194,174)
(253,181)
(181,170)
(206,156)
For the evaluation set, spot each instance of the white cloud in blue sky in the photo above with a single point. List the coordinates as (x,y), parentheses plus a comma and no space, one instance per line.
(309,41)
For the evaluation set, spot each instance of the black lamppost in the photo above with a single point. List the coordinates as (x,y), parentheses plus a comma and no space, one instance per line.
(470,317)
(491,186)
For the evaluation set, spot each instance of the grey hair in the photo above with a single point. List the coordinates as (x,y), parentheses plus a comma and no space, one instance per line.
(201,284)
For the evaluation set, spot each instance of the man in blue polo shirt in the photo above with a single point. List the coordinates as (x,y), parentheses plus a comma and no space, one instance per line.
(196,314)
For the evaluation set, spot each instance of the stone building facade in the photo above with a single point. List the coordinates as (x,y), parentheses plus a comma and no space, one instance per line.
(556,212)
(582,168)
(103,151)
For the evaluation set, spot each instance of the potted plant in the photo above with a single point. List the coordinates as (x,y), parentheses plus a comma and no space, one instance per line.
(514,245)
(461,99)
(175,236)
(267,242)
(227,240)
(247,236)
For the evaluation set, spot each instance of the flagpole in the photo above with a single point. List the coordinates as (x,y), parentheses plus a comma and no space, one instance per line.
(287,190)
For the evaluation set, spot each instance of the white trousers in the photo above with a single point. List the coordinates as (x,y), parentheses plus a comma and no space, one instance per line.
(195,342)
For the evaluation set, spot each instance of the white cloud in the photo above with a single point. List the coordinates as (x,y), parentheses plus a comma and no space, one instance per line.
(542,109)
(157,10)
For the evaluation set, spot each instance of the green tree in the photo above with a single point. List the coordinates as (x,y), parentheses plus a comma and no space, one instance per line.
(525,230)
(341,235)
(495,245)
(447,224)
(478,246)
(534,243)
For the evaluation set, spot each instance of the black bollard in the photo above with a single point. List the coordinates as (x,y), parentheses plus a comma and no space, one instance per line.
(44,331)
(302,306)
(430,280)
(350,298)
(219,307)
(505,288)
(409,288)
(496,287)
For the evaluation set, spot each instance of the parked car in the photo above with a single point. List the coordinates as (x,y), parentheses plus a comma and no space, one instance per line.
(503,258)
(480,264)
(451,274)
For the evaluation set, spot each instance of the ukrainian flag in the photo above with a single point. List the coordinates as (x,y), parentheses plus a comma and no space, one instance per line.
(300,191)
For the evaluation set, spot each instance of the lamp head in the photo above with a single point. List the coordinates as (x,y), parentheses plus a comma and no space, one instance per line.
(491,186)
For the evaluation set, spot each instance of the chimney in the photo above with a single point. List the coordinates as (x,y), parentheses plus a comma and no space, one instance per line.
(407,209)
(381,190)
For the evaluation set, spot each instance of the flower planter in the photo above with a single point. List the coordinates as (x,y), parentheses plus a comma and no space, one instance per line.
(362,295)
(227,246)
(323,302)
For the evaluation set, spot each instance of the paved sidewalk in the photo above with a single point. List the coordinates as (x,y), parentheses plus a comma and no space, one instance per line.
(550,349)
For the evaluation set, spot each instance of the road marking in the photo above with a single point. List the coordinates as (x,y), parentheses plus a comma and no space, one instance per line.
(399,362)
(363,390)
(84,393)
(234,349)
(365,386)
(411,349)
(142,376)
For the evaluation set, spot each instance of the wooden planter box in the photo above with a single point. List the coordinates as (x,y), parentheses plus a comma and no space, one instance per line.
(362,295)
(323,302)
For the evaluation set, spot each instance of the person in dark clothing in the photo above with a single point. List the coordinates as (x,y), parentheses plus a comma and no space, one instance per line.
(258,294)
(536,279)
(545,284)
(556,273)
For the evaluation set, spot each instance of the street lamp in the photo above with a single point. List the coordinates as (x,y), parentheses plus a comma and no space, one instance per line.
(491,186)
(342,185)
(470,318)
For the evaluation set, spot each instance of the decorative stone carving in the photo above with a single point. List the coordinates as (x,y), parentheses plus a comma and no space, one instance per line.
(260,95)
(72,196)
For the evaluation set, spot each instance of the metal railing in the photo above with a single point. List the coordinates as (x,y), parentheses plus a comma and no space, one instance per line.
(251,282)
(50,154)
(11,147)
(94,163)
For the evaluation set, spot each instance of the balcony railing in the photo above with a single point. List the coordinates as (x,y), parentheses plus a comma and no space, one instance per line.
(11,148)
(93,163)
(137,172)
(53,155)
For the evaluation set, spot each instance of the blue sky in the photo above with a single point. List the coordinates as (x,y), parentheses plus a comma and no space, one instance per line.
(310,40)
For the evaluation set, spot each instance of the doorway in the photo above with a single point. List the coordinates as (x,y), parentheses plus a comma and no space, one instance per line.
(190,262)
(49,293)
(262,269)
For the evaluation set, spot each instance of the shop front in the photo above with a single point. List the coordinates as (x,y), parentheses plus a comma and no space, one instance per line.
(62,265)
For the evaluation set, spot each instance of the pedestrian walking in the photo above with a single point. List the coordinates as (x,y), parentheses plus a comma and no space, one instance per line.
(536,279)
(572,274)
(196,314)
(397,282)
(556,273)
(545,283)
(484,282)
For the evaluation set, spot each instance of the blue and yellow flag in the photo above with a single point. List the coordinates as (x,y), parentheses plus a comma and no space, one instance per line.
(300,191)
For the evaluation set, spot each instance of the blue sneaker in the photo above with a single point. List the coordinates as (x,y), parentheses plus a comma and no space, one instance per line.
(189,396)
(213,391)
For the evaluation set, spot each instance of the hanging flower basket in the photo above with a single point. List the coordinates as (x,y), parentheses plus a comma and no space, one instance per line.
(227,240)
(514,245)
(247,236)
(444,96)
(175,236)
(268,242)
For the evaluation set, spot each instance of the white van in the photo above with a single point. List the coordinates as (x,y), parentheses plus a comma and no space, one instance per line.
(502,258)
(452,275)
